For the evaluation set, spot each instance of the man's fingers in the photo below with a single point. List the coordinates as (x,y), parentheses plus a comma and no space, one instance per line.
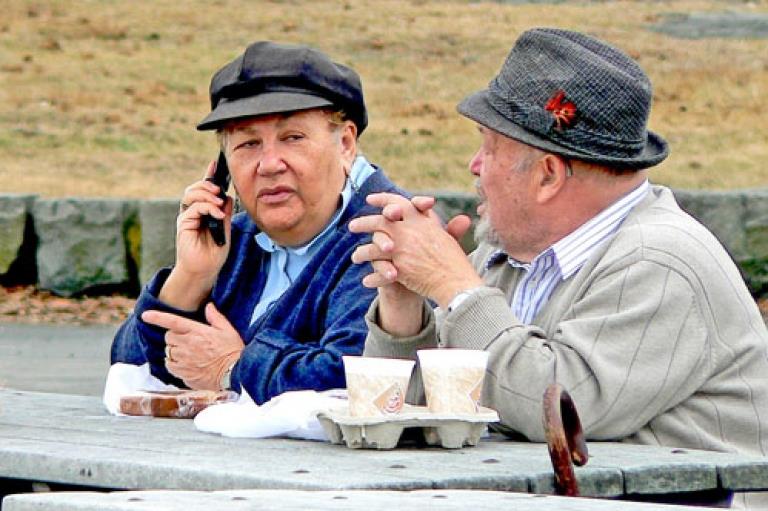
(423,203)
(370,223)
(383,241)
(168,321)
(396,208)
(361,254)
(380,248)
(386,270)
(384,274)
(393,212)
(458,226)
(373,280)
(381,199)
(367,253)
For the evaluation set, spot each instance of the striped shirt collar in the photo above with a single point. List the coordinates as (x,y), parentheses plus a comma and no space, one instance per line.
(573,251)
(560,261)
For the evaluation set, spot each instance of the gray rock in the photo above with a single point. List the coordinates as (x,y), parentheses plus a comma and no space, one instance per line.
(450,204)
(14,215)
(740,25)
(454,203)
(723,214)
(755,264)
(756,223)
(158,235)
(81,243)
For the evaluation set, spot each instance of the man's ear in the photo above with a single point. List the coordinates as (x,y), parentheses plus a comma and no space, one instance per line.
(550,175)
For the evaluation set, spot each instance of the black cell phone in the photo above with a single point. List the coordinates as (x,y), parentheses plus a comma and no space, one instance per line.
(221,179)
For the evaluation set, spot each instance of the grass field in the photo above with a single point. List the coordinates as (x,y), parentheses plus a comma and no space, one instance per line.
(100,97)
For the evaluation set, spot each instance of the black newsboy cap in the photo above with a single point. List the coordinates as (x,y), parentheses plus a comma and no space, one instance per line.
(270,78)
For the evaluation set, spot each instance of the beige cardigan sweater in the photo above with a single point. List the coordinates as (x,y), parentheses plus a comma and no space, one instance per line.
(656,338)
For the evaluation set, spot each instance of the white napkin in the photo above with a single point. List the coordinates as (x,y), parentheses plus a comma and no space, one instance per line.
(124,379)
(291,414)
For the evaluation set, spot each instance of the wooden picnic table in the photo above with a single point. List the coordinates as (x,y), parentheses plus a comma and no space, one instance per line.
(72,440)
(301,500)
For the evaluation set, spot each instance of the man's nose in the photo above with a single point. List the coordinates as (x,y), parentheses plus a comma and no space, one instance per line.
(271,161)
(476,163)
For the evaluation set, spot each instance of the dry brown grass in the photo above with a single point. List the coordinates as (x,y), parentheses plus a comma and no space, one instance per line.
(100,97)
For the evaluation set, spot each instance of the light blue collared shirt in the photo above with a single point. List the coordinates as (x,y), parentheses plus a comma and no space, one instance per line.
(567,256)
(285,263)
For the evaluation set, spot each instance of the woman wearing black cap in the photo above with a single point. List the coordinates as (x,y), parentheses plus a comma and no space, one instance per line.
(276,306)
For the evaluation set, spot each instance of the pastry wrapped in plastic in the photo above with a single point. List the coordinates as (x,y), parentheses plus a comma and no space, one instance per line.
(180,404)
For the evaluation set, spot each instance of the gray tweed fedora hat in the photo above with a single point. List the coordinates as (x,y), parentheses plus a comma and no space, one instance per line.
(270,78)
(572,95)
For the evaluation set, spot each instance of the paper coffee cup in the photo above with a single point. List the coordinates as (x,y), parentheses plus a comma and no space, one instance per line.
(453,379)
(376,386)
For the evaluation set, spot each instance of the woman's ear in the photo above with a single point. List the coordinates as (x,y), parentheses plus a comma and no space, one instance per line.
(348,142)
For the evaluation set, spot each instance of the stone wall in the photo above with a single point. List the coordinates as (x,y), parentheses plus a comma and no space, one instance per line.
(72,246)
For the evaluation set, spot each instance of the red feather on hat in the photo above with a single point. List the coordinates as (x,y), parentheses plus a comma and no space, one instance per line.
(563,110)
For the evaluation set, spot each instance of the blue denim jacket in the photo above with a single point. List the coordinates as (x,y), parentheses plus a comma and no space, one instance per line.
(298,343)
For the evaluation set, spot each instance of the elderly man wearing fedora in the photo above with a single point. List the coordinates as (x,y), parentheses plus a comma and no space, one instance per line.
(276,306)
(585,275)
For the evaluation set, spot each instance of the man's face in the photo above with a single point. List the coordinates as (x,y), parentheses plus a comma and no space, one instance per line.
(289,169)
(502,166)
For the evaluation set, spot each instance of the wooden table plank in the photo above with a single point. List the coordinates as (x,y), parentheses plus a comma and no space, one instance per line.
(451,500)
(72,440)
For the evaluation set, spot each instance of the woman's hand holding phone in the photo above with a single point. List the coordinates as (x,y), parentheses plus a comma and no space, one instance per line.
(199,257)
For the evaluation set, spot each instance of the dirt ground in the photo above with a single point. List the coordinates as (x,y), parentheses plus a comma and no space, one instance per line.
(105,95)
(26,304)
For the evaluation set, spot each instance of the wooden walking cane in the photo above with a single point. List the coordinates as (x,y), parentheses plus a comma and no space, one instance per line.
(565,438)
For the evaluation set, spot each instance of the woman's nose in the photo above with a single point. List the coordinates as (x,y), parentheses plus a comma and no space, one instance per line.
(271,160)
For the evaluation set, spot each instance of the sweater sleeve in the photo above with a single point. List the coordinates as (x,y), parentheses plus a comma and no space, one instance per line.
(137,342)
(380,343)
(632,347)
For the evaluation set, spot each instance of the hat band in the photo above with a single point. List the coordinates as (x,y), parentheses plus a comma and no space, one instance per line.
(542,122)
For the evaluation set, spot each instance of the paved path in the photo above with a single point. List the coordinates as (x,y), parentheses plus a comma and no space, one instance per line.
(55,358)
